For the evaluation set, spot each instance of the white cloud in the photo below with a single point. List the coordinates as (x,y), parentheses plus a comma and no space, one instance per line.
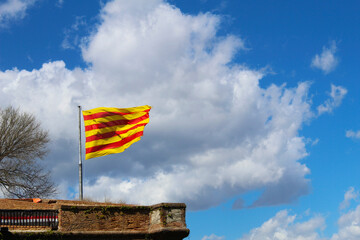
(71,37)
(349,226)
(287,227)
(217,115)
(214,133)
(352,134)
(14,9)
(336,96)
(49,93)
(349,223)
(326,61)
(350,194)
(291,227)
(213,237)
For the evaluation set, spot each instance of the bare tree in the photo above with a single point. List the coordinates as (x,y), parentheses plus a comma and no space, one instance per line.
(22,143)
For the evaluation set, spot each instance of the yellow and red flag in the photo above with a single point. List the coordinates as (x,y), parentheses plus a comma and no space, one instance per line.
(112,130)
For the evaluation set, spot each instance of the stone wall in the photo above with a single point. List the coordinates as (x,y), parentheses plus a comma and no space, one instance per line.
(103,218)
(112,221)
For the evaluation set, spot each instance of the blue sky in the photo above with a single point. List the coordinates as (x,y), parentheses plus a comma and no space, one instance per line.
(254,122)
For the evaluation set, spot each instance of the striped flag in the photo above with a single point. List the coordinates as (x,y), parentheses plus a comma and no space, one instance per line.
(112,130)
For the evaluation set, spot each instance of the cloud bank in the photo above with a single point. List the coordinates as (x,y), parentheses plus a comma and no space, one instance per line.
(214,132)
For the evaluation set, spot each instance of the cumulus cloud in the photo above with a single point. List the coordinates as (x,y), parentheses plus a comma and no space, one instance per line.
(327,60)
(14,9)
(287,227)
(292,227)
(352,134)
(198,97)
(336,96)
(48,92)
(214,132)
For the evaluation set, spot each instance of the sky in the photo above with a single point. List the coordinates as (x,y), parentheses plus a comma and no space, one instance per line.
(254,121)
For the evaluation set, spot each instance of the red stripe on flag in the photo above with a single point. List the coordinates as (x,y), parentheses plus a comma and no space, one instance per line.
(111,134)
(115,144)
(107,114)
(115,123)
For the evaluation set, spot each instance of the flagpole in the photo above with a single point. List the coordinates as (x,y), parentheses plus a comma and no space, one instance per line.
(80,160)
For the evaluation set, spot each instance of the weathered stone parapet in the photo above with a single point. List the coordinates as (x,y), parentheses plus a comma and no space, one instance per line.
(167,215)
(158,220)
(112,221)
(167,221)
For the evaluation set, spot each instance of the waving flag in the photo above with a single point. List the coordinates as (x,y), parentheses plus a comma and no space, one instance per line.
(112,130)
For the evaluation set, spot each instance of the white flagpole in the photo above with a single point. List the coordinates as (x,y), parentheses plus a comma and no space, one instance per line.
(80,160)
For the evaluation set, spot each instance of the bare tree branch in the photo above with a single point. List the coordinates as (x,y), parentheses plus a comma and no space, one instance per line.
(22,143)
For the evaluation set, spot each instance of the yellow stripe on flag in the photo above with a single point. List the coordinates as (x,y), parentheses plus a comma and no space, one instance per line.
(110,151)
